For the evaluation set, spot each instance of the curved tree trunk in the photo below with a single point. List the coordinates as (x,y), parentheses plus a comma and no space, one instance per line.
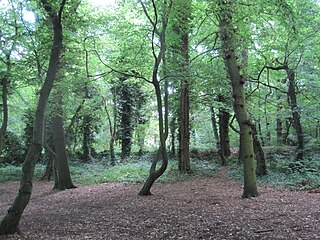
(10,222)
(154,173)
(228,39)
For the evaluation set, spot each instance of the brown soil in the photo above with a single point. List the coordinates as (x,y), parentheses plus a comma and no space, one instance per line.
(205,208)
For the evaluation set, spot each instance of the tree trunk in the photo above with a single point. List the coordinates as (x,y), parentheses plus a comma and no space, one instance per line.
(63,179)
(224,118)
(10,222)
(154,173)
(126,121)
(173,127)
(295,112)
(261,160)
(183,14)
(216,136)
(5,83)
(228,39)
(86,141)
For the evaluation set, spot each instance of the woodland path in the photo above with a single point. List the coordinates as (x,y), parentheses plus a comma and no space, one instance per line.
(203,208)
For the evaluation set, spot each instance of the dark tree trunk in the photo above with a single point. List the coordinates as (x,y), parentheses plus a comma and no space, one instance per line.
(228,38)
(224,118)
(87,138)
(183,15)
(216,136)
(173,127)
(63,178)
(260,158)
(5,114)
(279,131)
(48,173)
(286,133)
(295,112)
(126,121)
(10,222)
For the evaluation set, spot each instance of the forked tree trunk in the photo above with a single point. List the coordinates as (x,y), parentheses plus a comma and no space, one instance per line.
(10,222)
(228,38)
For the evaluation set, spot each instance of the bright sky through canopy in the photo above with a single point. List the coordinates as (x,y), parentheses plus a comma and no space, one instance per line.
(102,2)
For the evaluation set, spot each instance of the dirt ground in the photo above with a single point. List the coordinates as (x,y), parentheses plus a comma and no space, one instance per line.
(205,208)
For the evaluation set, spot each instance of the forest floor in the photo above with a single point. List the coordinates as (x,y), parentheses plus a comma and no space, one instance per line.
(202,208)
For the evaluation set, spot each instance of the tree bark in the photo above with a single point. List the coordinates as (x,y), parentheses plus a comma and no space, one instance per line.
(261,160)
(224,118)
(63,180)
(126,120)
(86,141)
(183,14)
(228,39)
(10,222)
(295,112)
(216,136)
(5,114)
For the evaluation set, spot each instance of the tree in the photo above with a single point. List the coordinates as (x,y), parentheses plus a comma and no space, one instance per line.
(154,173)
(228,39)
(183,15)
(10,222)
(7,47)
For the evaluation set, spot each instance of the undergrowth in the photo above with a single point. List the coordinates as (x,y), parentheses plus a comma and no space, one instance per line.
(286,173)
(135,171)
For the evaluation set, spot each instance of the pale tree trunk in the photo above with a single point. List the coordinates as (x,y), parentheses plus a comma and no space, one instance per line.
(228,39)
(10,222)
